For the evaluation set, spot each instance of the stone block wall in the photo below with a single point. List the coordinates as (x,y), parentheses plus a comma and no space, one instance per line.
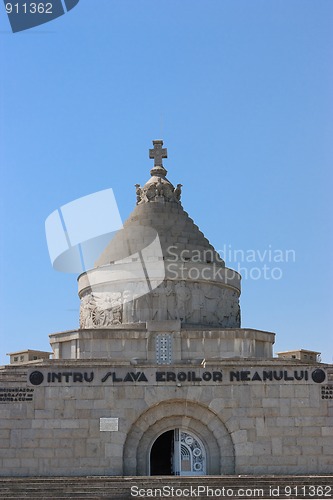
(139,341)
(98,418)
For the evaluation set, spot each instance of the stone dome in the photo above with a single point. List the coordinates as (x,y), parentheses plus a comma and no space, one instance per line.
(159,266)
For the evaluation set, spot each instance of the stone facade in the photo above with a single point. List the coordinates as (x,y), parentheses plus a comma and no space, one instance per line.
(98,417)
(160,378)
(187,343)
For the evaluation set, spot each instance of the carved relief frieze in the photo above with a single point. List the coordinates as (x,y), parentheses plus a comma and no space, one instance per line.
(159,190)
(100,310)
(189,302)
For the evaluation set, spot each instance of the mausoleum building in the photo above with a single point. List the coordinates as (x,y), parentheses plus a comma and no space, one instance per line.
(160,377)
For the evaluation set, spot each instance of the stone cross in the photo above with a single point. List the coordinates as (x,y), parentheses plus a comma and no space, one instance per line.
(158,153)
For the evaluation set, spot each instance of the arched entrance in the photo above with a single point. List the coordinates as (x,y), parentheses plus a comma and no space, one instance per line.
(192,418)
(178,453)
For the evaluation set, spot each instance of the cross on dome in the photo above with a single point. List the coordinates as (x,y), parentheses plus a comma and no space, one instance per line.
(158,153)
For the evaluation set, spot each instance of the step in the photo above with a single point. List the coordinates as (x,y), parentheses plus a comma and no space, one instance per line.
(200,487)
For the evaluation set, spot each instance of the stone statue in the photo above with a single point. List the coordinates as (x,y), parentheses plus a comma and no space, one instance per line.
(161,297)
(114,309)
(197,304)
(168,192)
(171,300)
(87,307)
(116,317)
(159,187)
(159,300)
(183,295)
(178,191)
(212,296)
(234,315)
(228,312)
(83,311)
(128,306)
(138,192)
(220,311)
(149,193)
(142,302)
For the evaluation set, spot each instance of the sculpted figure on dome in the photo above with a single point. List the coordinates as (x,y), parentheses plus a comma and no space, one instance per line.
(128,306)
(161,298)
(183,295)
(178,191)
(234,316)
(138,192)
(86,308)
(149,193)
(197,304)
(116,317)
(231,310)
(212,297)
(142,303)
(83,311)
(220,311)
(159,187)
(171,300)
(168,192)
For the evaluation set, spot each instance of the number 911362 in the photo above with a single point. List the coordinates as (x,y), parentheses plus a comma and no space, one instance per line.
(29,8)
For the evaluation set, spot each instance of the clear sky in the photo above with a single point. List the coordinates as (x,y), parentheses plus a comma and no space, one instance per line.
(241,91)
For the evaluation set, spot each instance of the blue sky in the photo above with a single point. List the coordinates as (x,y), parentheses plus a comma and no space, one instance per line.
(242,94)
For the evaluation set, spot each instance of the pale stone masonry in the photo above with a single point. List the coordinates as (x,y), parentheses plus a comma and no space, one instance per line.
(160,378)
(248,426)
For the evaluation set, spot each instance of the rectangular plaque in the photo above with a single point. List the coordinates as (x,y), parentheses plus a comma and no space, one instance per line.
(108,424)
(16,394)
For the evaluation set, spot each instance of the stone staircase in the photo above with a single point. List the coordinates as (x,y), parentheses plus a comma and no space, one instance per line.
(202,488)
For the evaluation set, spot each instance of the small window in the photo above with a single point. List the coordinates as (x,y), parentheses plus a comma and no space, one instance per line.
(34,358)
(15,359)
(163,349)
(293,356)
(22,358)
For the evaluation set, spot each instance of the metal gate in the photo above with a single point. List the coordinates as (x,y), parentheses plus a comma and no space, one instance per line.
(189,457)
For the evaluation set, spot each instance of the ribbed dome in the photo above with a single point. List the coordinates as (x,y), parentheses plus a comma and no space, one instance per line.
(176,231)
(159,266)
